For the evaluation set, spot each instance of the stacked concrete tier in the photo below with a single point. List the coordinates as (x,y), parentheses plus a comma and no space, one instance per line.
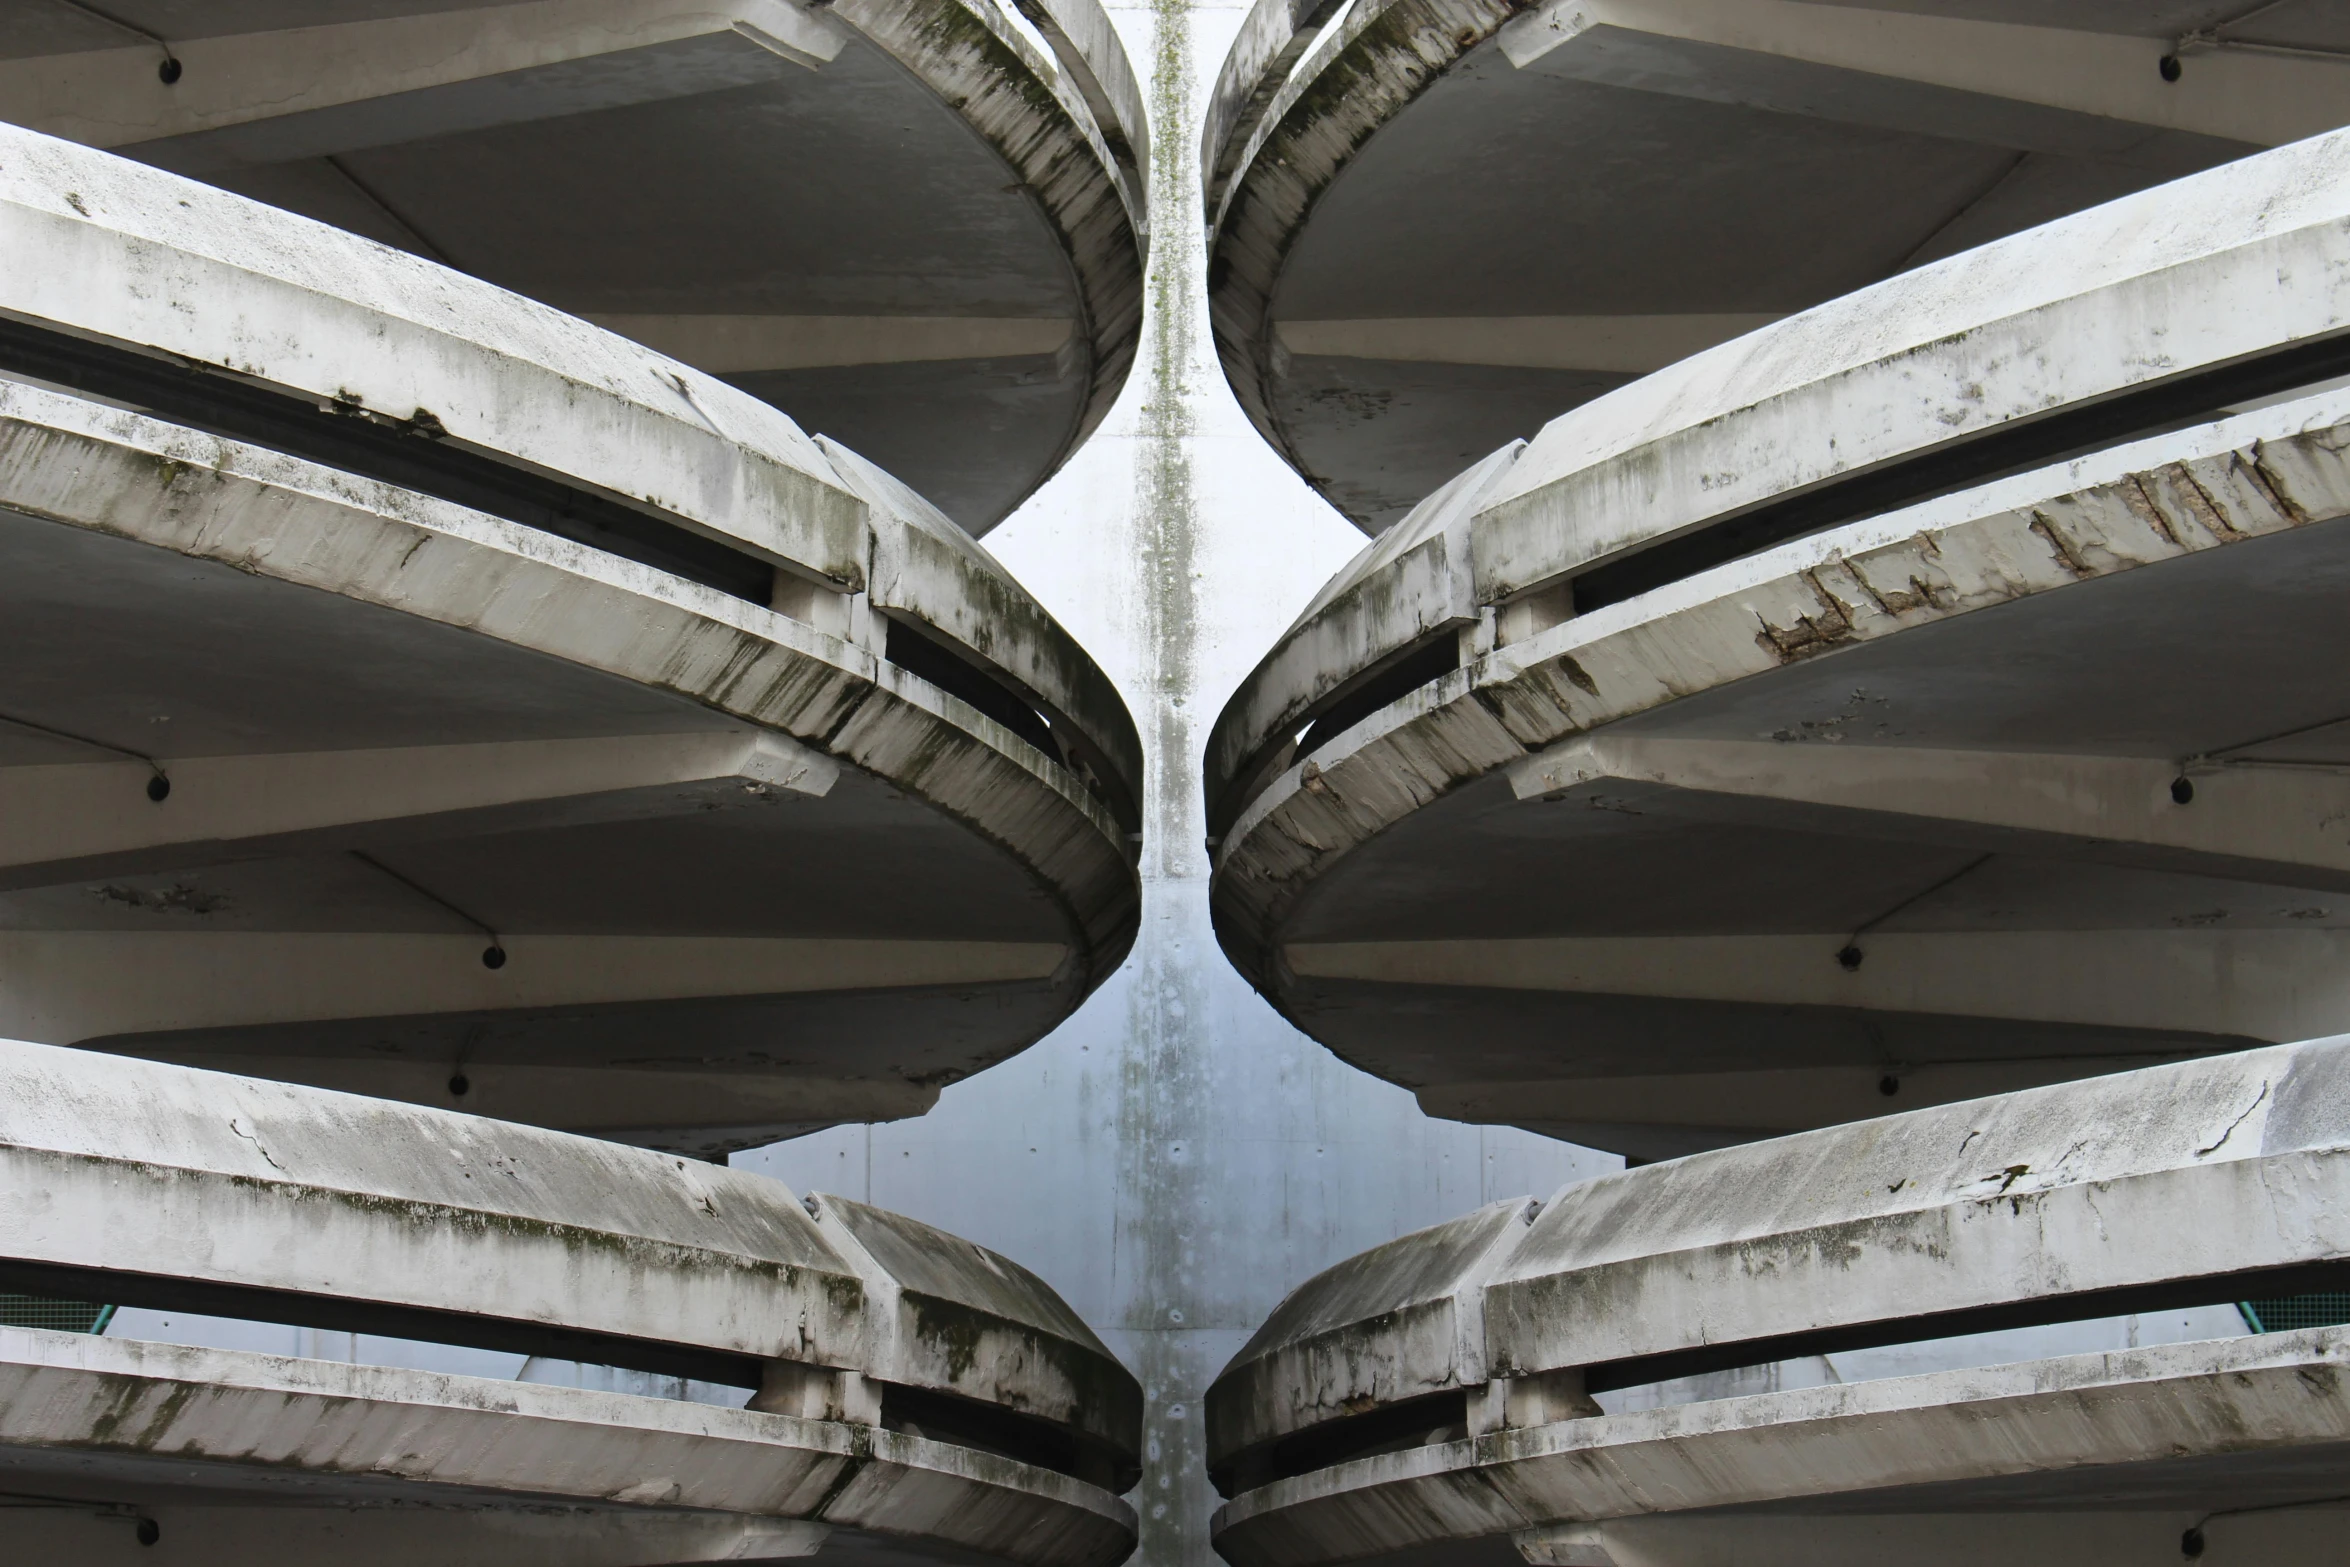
(1436,224)
(1465,1390)
(915,1398)
(914,225)
(1925,696)
(411,689)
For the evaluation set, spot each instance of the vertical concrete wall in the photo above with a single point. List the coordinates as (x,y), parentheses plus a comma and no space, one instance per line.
(1175,1158)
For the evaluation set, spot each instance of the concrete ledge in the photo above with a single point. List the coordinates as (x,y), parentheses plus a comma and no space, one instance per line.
(497,590)
(1772,649)
(2176,1184)
(478,1471)
(2179,1430)
(193,1190)
(387,344)
(2149,291)
(116,252)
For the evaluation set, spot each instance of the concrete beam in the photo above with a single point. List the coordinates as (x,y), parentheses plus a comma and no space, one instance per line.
(2270,823)
(688,1107)
(98,819)
(2275,984)
(291,522)
(1952,76)
(1629,345)
(308,84)
(1556,677)
(67,986)
(733,345)
(332,1200)
(1709,1109)
(2267,1537)
(99,1534)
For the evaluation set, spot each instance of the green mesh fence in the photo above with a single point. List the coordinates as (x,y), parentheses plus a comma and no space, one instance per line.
(2284,1313)
(65,1316)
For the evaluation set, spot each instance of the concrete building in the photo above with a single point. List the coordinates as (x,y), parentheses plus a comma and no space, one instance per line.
(1174,1157)
(1853,716)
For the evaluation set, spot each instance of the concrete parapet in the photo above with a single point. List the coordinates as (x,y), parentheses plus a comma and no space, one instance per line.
(464,752)
(1439,1390)
(904,1381)
(1703,804)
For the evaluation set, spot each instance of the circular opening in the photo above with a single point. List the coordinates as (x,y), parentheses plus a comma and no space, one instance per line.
(493,956)
(168,72)
(159,788)
(2191,1544)
(2182,790)
(1849,957)
(1888,1085)
(458,1084)
(2171,69)
(149,1531)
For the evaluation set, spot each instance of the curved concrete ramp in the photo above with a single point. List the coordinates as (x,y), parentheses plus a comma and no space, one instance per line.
(1918,698)
(1437,224)
(1463,1394)
(911,1397)
(914,225)
(429,694)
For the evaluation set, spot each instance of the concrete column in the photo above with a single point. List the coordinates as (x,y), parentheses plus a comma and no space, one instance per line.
(1175,1158)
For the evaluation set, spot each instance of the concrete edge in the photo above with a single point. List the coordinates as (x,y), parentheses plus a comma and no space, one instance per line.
(2266,1391)
(602,1447)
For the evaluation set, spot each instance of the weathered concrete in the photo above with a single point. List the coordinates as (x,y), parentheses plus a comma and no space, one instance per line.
(1832,837)
(1175,1157)
(210,1446)
(903,1380)
(963,192)
(1438,1389)
(1363,166)
(463,735)
(2182,1433)
(162,1185)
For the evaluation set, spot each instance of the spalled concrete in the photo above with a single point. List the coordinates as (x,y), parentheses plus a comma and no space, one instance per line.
(1438,1390)
(903,1381)
(1658,784)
